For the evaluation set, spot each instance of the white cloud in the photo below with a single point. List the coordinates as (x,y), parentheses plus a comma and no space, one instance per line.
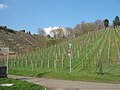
(2,6)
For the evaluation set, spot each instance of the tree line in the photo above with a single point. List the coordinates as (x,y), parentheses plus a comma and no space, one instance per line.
(79,29)
(116,22)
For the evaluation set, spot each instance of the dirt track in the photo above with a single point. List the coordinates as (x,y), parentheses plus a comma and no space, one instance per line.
(53,84)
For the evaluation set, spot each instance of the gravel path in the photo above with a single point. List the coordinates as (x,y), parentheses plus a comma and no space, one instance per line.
(53,84)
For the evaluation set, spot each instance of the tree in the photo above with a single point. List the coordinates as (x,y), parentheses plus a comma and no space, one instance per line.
(60,33)
(77,30)
(57,33)
(99,24)
(41,32)
(116,22)
(53,33)
(106,23)
(69,32)
(29,32)
(48,36)
(84,28)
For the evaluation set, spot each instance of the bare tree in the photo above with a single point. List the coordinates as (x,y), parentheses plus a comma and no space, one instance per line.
(53,33)
(57,33)
(84,27)
(60,33)
(99,24)
(77,30)
(69,32)
(41,32)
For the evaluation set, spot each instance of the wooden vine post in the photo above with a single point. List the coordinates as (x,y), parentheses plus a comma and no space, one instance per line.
(69,55)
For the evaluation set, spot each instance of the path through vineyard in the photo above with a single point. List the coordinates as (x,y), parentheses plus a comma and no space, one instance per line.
(53,84)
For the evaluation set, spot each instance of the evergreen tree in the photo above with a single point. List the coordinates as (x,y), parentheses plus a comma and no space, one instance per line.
(106,23)
(29,32)
(116,21)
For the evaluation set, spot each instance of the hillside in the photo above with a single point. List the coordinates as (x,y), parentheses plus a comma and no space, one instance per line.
(18,41)
(95,57)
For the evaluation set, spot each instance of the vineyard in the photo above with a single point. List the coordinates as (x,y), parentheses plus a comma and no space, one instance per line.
(93,53)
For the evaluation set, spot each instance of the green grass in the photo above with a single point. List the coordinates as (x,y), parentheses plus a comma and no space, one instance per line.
(18,85)
(82,75)
(85,77)
(48,62)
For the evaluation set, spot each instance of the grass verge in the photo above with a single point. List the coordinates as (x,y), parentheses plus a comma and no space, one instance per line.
(18,85)
(82,76)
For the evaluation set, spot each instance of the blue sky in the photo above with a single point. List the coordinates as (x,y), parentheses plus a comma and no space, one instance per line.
(33,14)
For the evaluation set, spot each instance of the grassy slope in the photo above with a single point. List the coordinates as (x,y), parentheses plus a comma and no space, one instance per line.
(19,85)
(20,42)
(53,62)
